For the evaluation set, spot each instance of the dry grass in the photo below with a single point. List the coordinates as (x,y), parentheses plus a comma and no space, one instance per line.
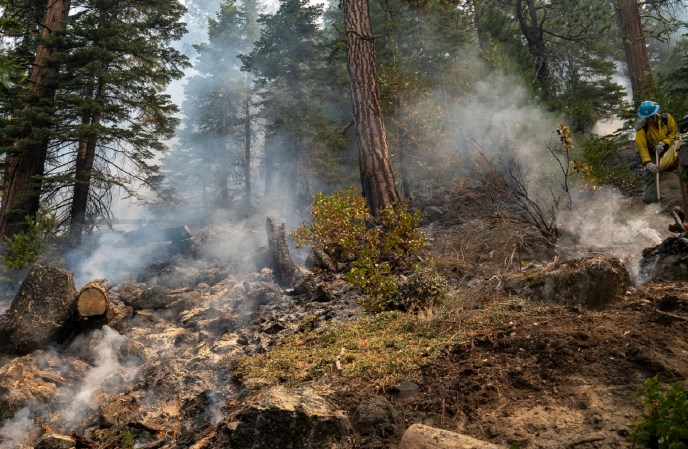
(377,351)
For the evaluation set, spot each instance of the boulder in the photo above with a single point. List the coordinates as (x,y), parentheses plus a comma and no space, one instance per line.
(375,416)
(44,311)
(592,282)
(290,418)
(667,261)
(419,436)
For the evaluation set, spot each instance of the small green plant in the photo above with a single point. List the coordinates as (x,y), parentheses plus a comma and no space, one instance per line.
(32,245)
(374,249)
(423,288)
(664,422)
(600,163)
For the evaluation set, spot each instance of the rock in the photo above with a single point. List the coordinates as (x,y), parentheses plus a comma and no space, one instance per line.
(667,261)
(375,416)
(406,390)
(419,436)
(56,441)
(151,298)
(592,282)
(43,312)
(290,418)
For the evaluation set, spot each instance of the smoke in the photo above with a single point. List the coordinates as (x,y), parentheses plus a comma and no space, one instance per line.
(499,120)
(108,375)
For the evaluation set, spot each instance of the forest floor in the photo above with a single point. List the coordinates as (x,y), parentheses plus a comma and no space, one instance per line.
(536,375)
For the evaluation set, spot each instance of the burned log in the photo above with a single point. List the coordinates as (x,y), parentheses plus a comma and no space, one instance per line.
(284,270)
(92,300)
(43,310)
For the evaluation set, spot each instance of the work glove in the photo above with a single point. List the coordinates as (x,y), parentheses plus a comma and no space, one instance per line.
(659,148)
(652,167)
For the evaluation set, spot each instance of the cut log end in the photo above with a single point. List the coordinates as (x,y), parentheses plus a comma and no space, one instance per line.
(92,301)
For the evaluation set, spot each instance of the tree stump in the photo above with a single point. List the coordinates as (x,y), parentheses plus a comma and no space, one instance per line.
(92,300)
(285,271)
(43,310)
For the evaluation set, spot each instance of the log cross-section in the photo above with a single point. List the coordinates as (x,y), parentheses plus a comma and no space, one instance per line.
(92,300)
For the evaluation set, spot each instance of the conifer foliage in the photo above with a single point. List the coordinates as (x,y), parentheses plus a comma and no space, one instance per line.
(107,114)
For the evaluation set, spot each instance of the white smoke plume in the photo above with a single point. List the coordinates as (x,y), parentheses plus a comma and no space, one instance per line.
(74,402)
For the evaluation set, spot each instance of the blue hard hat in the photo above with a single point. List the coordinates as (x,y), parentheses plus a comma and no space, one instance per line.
(647,109)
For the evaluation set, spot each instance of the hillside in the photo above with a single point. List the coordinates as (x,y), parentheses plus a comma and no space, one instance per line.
(192,343)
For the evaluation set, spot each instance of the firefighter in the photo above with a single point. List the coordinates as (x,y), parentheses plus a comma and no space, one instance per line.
(655,133)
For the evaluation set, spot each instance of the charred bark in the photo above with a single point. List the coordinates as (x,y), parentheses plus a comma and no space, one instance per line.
(284,270)
(43,311)
(377,179)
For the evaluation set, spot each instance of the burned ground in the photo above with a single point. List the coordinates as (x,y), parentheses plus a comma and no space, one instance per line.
(510,370)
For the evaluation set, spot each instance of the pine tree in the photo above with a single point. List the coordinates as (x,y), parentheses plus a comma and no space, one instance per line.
(216,139)
(113,113)
(288,60)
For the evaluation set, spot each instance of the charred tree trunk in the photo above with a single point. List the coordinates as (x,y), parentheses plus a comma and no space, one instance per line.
(285,271)
(24,166)
(377,178)
(633,36)
(43,310)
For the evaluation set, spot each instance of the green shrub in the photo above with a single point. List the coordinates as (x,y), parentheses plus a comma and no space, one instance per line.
(600,163)
(664,423)
(373,249)
(32,245)
(425,287)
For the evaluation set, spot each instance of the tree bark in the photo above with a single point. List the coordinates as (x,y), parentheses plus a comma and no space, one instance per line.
(25,164)
(284,270)
(84,170)
(637,58)
(532,31)
(247,152)
(377,178)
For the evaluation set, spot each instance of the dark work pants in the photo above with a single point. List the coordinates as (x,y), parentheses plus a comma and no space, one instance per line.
(650,178)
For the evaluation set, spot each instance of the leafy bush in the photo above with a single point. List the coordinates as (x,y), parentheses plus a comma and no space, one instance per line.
(374,249)
(600,163)
(32,245)
(664,423)
(423,288)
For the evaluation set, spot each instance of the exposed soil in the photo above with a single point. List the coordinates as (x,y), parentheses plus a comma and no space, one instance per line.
(560,379)
(549,376)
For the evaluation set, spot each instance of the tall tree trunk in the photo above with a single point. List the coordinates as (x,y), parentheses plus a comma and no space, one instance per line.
(637,58)
(377,178)
(25,164)
(247,152)
(483,39)
(84,168)
(532,31)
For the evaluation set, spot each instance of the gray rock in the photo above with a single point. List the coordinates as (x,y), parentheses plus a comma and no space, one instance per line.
(375,416)
(592,282)
(290,419)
